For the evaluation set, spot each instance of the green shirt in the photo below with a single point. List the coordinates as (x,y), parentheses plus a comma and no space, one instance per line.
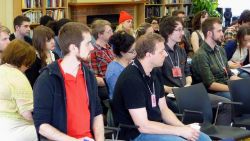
(208,65)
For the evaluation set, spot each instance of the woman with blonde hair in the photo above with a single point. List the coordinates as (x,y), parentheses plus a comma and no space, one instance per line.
(125,23)
(16,94)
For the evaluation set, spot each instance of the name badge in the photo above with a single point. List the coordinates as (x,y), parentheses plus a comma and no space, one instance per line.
(176,71)
(153,100)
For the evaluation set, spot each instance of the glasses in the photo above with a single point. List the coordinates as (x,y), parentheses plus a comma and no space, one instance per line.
(109,31)
(179,30)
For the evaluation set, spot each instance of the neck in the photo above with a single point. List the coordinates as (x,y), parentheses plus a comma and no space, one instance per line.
(124,62)
(147,67)
(101,43)
(19,36)
(70,64)
(171,44)
(210,42)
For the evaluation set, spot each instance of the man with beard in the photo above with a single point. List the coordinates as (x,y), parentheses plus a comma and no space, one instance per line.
(209,64)
(66,104)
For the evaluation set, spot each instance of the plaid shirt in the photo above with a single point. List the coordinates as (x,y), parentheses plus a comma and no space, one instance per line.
(100,57)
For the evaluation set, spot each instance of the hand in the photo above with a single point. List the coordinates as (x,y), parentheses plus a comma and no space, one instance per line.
(187,85)
(168,89)
(189,133)
(234,65)
(86,139)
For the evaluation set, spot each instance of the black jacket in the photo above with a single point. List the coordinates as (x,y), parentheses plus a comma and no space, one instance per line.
(50,98)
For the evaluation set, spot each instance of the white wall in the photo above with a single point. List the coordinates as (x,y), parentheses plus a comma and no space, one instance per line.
(237,5)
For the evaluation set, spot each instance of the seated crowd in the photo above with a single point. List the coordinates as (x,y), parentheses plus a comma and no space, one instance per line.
(54,85)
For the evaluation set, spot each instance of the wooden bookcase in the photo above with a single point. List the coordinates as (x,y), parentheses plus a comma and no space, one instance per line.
(34,9)
(160,8)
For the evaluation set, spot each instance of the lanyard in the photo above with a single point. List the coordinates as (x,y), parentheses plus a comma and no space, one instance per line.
(178,60)
(221,63)
(151,92)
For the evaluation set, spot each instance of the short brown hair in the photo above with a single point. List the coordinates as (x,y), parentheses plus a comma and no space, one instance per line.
(18,21)
(176,12)
(142,29)
(146,43)
(19,53)
(71,33)
(40,36)
(208,24)
(98,26)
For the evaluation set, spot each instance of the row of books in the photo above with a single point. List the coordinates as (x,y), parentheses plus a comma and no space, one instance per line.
(153,11)
(34,15)
(56,14)
(155,1)
(54,3)
(31,4)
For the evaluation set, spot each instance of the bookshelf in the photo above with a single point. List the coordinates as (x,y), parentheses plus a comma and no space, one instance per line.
(34,9)
(160,8)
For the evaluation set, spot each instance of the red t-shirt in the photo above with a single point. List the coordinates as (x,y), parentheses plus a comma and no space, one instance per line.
(78,115)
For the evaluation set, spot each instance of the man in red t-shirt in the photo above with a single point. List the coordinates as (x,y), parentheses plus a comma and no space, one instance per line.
(66,103)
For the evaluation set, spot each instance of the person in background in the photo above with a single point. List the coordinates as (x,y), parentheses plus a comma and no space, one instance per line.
(66,104)
(58,26)
(238,51)
(154,22)
(16,94)
(231,32)
(125,23)
(144,28)
(209,64)
(44,43)
(123,47)
(102,54)
(197,37)
(4,39)
(185,42)
(44,20)
(22,29)
(139,98)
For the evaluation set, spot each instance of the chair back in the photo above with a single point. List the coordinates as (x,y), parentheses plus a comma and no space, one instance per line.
(240,92)
(194,98)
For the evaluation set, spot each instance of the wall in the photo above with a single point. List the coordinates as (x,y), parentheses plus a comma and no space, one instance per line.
(6,13)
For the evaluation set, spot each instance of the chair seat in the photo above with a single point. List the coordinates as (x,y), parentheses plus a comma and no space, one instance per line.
(243,121)
(224,132)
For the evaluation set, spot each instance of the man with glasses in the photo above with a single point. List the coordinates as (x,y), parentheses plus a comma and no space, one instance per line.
(22,29)
(102,54)
(175,71)
(185,42)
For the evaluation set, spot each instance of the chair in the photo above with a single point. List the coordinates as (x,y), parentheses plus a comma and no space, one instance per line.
(240,92)
(195,98)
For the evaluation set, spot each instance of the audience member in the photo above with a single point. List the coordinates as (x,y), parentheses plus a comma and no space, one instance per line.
(123,48)
(209,64)
(16,93)
(22,29)
(4,39)
(66,104)
(197,37)
(144,28)
(139,98)
(175,71)
(44,20)
(185,42)
(43,41)
(125,23)
(231,32)
(154,22)
(238,51)
(102,54)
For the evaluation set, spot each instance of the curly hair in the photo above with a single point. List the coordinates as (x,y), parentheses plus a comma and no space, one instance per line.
(244,17)
(121,41)
(196,22)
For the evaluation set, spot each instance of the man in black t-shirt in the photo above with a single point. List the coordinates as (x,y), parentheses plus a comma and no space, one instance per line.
(22,29)
(139,98)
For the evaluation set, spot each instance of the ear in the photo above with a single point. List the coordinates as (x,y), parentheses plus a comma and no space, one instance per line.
(16,27)
(73,48)
(148,54)
(209,33)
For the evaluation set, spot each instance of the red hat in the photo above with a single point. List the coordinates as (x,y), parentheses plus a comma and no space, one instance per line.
(124,16)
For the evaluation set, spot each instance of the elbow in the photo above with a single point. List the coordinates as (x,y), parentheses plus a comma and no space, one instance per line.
(144,128)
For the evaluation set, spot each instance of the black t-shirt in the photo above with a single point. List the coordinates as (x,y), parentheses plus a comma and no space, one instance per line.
(26,38)
(132,91)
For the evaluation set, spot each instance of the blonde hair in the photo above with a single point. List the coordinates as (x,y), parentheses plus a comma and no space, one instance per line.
(121,28)
(4,29)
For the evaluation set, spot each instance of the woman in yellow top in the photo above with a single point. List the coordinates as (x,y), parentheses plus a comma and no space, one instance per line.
(16,96)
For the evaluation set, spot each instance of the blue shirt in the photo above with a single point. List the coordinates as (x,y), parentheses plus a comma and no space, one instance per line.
(113,71)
